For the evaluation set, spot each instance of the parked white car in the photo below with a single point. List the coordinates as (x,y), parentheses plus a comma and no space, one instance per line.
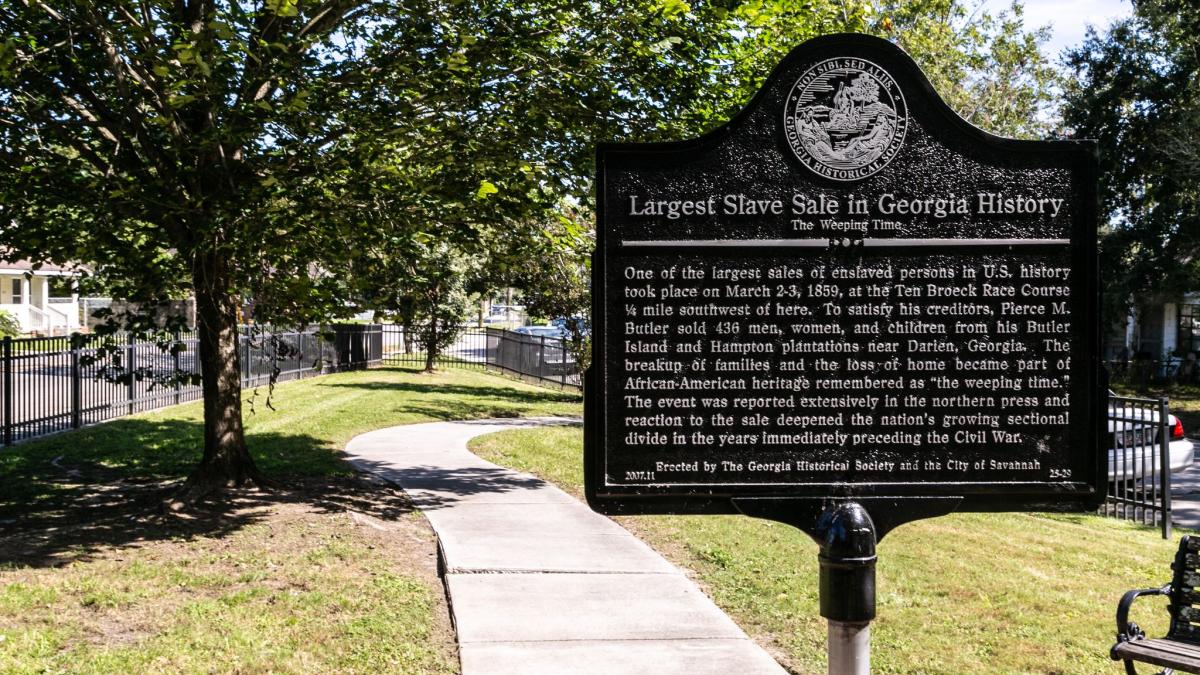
(555,332)
(1133,444)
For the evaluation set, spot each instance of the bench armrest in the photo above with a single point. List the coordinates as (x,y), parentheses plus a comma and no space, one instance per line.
(1130,631)
(1126,630)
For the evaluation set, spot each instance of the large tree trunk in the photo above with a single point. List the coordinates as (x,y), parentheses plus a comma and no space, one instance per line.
(431,347)
(406,333)
(226,461)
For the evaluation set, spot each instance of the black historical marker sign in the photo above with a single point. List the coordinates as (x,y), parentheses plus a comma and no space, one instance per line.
(845,292)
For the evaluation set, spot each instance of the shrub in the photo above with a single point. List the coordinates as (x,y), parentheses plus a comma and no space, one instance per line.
(9,326)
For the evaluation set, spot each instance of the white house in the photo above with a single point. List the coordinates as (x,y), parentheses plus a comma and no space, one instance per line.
(1161,329)
(25,293)
(1163,334)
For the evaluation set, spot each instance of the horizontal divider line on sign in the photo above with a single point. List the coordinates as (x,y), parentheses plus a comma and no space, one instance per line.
(828,243)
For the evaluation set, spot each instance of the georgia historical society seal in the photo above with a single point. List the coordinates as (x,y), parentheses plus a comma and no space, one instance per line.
(845,118)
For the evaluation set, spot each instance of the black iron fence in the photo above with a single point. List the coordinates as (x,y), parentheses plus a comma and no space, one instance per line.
(1141,371)
(50,384)
(1139,461)
(539,359)
(405,348)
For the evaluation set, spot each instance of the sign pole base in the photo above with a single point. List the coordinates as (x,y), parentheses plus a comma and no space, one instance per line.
(849,648)
(846,535)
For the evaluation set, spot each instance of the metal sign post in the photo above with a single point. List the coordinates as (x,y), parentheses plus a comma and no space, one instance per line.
(846,537)
(847,580)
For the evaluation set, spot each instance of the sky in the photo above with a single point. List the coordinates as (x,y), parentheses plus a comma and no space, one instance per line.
(1068,18)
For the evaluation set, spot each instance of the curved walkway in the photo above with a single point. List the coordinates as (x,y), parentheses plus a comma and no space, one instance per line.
(537,582)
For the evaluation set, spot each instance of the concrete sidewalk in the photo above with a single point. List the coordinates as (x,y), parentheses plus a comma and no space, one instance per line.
(1185,495)
(537,582)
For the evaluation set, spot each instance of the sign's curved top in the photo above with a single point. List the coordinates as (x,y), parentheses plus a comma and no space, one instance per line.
(894,71)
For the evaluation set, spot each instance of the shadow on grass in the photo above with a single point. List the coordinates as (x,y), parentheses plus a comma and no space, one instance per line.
(65,498)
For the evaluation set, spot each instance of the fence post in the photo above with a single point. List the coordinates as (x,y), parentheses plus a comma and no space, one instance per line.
(175,360)
(1110,485)
(76,389)
(246,361)
(1164,443)
(301,342)
(129,353)
(563,368)
(319,366)
(541,365)
(8,391)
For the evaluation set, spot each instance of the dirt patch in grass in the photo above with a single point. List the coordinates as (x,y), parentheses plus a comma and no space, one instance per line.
(324,575)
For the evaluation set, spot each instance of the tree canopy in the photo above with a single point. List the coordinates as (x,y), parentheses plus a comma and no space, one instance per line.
(284,150)
(988,67)
(1136,89)
(249,150)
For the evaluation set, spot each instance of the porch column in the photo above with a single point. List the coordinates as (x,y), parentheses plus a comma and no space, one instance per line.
(1170,328)
(1130,328)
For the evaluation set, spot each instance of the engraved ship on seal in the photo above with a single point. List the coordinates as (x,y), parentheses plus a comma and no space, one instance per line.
(850,129)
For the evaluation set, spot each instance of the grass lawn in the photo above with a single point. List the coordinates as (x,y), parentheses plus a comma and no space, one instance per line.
(328,572)
(966,593)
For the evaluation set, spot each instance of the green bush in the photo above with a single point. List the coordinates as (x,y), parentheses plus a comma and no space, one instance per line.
(9,326)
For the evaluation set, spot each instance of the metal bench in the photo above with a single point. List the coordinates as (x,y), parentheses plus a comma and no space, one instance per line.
(1180,649)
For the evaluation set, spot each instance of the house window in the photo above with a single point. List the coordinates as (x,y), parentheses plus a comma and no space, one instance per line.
(1189,329)
(18,295)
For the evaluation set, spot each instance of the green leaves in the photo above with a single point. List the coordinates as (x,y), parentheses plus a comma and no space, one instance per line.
(1134,89)
(222,30)
(388,127)
(283,7)
(8,59)
(665,44)
(486,188)
(457,62)
(987,66)
(180,100)
(673,8)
